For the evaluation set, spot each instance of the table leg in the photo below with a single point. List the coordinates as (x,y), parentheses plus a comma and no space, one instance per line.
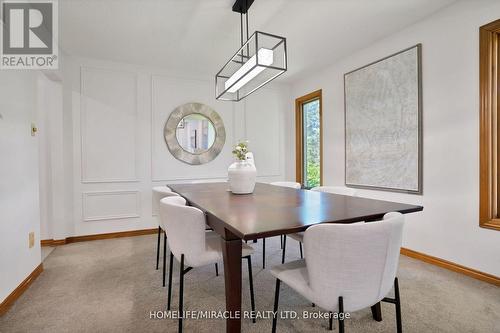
(231,250)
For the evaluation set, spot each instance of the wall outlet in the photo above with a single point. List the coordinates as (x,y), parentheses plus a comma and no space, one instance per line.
(32,239)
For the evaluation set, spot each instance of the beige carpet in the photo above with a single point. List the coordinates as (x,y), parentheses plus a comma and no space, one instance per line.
(112,286)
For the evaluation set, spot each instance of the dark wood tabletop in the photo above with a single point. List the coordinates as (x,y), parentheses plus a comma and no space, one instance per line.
(274,210)
(270,211)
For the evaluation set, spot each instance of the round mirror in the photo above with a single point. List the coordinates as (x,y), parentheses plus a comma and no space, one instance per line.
(195,133)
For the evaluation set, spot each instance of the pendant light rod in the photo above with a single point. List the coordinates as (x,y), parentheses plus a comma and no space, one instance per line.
(241,29)
(246,17)
(260,59)
(248,46)
(245,12)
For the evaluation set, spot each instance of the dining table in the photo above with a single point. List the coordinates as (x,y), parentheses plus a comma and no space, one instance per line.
(272,211)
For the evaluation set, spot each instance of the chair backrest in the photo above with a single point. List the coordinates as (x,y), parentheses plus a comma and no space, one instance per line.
(204,181)
(185,226)
(358,261)
(335,190)
(287,184)
(160,192)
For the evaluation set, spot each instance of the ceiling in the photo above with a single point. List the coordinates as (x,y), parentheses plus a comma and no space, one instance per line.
(197,37)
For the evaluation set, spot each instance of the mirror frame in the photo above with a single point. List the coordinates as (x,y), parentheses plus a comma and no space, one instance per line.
(170,133)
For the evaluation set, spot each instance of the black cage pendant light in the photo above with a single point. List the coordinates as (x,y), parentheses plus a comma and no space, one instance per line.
(258,61)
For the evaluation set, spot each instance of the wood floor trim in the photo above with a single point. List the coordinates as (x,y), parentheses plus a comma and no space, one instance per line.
(495,280)
(86,238)
(489,278)
(9,300)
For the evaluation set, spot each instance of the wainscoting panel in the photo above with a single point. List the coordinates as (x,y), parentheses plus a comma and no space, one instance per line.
(108,126)
(264,119)
(111,205)
(167,94)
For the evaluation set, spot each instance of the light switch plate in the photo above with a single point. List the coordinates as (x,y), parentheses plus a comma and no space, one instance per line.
(32,239)
(34,129)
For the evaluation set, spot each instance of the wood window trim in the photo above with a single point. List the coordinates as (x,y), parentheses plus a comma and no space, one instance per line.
(489,117)
(299,137)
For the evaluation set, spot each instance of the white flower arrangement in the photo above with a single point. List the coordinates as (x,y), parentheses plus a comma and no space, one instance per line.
(240,150)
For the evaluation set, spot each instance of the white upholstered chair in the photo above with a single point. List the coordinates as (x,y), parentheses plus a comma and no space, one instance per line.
(335,190)
(287,184)
(299,236)
(160,192)
(347,267)
(192,245)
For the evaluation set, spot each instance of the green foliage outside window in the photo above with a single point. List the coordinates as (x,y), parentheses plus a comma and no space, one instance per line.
(312,143)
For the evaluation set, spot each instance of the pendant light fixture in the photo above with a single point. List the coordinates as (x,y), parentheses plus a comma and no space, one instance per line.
(258,61)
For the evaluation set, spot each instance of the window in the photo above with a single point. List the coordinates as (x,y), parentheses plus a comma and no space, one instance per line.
(309,171)
(489,120)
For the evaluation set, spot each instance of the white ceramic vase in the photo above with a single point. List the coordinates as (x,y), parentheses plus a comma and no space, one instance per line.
(242,175)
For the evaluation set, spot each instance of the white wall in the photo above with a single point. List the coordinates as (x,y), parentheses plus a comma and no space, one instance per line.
(448,227)
(51,166)
(118,112)
(19,206)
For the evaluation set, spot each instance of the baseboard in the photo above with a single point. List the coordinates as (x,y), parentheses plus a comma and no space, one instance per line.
(52,242)
(86,238)
(46,242)
(495,280)
(7,302)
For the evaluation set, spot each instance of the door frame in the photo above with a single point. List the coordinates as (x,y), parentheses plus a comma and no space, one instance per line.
(299,163)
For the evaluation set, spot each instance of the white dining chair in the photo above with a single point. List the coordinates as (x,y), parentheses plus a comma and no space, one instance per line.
(299,236)
(192,245)
(347,267)
(336,190)
(282,184)
(160,192)
(294,185)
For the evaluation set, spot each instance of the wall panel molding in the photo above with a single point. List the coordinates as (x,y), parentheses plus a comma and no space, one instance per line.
(111,205)
(85,98)
(265,131)
(182,91)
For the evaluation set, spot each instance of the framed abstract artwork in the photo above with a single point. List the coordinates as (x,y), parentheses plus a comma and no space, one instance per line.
(383,123)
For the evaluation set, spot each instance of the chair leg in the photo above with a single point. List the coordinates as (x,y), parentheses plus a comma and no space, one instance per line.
(377,312)
(263,253)
(181,292)
(397,302)
(301,254)
(281,241)
(164,255)
(216,269)
(284,250)
(330,324)
(170,270)
(158,248)
(341,315)
(276,301)
(399,324)
(250,278)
